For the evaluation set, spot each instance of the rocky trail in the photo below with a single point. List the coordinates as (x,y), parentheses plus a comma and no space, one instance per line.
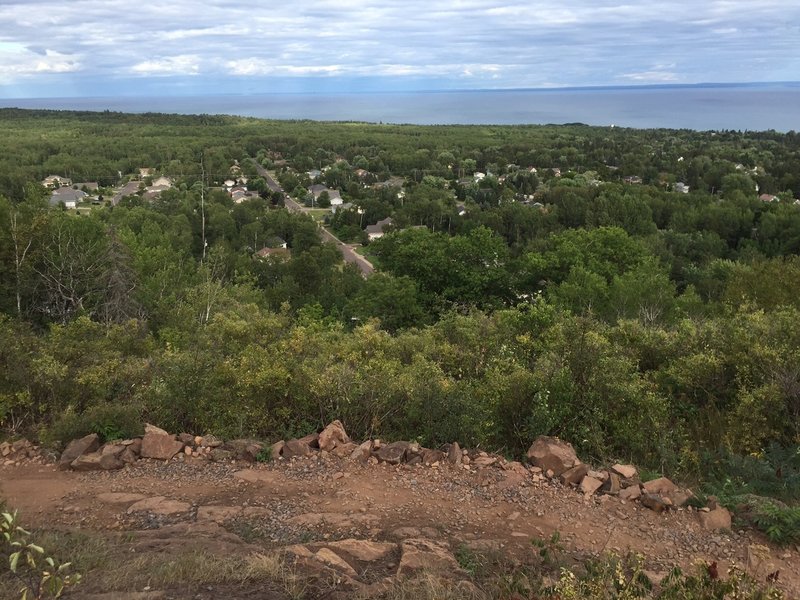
(354,519)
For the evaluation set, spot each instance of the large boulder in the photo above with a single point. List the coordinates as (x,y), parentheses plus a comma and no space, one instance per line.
(332,436)
(662,486)
(552,454)
(108,458)
(245,449)
(76,448)
(294,448)
(160,446)
(426,555)
(719,518)
(393,453)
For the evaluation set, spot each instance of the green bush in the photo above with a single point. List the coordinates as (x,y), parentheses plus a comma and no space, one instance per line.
(775,474)
(109,421)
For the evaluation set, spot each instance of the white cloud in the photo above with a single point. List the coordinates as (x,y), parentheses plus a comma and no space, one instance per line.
(186,64)
(20,61)
(458,43)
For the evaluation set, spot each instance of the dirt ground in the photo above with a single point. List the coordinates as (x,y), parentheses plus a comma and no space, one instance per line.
(231,509)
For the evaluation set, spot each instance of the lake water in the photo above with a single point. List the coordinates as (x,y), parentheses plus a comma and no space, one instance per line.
(738,107)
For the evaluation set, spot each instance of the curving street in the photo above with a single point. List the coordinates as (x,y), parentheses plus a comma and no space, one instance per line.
(348,253)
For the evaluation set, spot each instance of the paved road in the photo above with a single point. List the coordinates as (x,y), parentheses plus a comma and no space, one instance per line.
(348,253)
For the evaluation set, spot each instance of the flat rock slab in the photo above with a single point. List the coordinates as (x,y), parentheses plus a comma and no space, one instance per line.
(662,485)
(159,446)
(330,559)
(363,550)
(160,506)
(120,498)
(420,554)
(626,471)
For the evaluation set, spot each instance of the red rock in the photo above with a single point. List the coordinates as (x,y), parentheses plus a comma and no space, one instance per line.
(432,456)
(362,452)
(574,475)
(589,485)
(626,471)
(277,449)
(76,448)
(245,449)
(631,492)
(662,485)
(333,435)
(454,454)
(425,555)
(612,485)
(312,440)
(159,446)
(294,448)
(552,454)
(393,453)
(719,518)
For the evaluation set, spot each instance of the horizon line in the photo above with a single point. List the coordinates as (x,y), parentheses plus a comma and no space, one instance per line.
(643,86)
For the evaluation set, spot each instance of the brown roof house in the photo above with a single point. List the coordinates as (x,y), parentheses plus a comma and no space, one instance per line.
(378,229)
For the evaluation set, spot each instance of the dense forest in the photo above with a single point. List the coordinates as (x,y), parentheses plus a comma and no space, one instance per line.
(636,292)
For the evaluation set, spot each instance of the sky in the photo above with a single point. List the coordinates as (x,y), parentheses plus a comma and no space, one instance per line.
(107,48)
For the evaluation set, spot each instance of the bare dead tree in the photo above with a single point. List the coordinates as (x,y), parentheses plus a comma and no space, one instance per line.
(70,272)
(118,303)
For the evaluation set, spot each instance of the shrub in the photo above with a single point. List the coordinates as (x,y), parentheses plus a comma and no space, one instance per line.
(40,576)
(109,421)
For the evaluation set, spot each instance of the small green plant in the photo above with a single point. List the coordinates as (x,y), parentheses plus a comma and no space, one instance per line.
(264,455)
(467,560)
(551,550)
(40,575)
(779,522)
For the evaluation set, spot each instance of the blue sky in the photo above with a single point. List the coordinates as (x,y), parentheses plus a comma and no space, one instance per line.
(181,47)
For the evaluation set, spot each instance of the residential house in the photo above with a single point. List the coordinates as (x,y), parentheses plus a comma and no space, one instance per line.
(162,182)
(681,188)
(146,172)
(317,189)
(68,196)
(335,198)
(768,198)
(278,254)
(393,181)
(52,181)
(313,173)
(632,179)
(239,194)
(338,207)
(378,229)
(87,186)
(129,189)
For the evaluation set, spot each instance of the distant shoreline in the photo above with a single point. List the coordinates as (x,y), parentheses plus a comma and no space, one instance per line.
(703,107)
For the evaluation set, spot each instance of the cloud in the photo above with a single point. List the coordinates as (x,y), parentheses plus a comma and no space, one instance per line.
(657,74)
(186,64)
(20,61)
(446,44)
